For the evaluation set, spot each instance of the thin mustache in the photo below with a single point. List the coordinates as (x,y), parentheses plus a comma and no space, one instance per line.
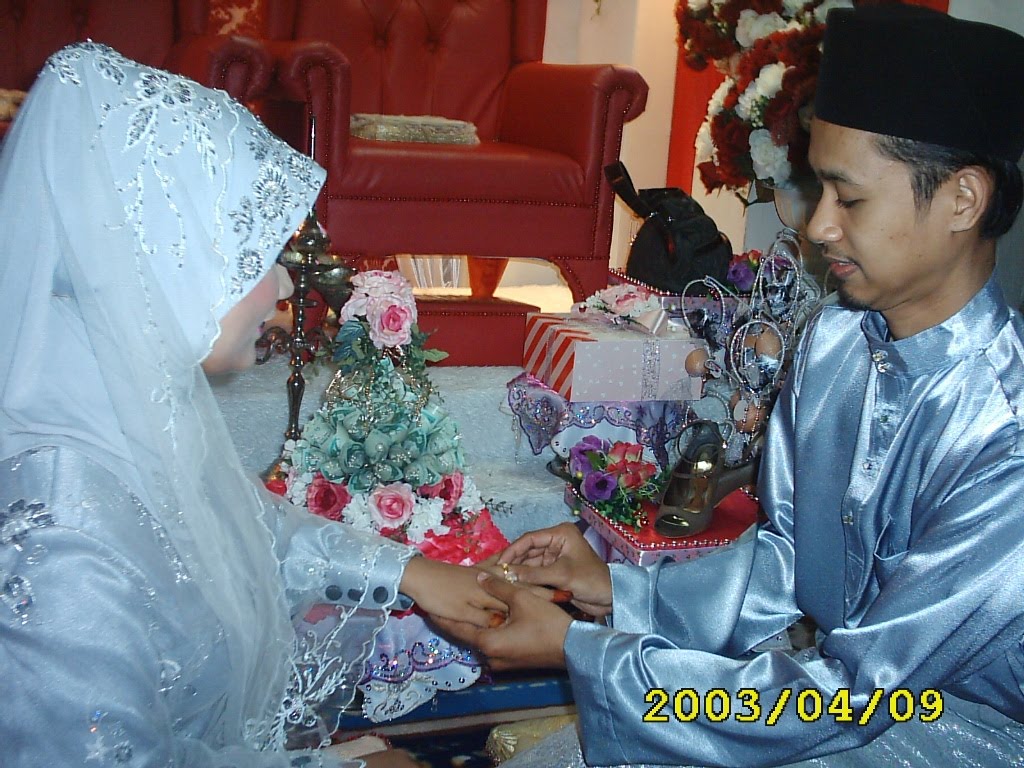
(830,254)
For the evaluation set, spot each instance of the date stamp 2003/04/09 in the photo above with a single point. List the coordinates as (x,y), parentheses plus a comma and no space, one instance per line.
(746,706)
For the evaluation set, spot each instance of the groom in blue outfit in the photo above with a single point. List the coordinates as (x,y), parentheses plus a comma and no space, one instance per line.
(893,474)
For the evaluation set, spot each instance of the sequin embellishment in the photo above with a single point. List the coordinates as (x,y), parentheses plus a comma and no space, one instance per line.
(20,520)
(118,751)
(16,524)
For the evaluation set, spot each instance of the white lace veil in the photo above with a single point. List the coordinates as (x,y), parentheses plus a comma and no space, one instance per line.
(136,208)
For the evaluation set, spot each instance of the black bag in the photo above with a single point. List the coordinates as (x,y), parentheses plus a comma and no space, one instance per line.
(677,243)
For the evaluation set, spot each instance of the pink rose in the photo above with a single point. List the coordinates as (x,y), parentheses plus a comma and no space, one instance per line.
(327,499)
(449,488)
(377,288)
(379,283)
(391,505)
(390,325)
(625,301)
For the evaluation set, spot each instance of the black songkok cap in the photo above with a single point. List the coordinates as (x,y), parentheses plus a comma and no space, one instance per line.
(918,74)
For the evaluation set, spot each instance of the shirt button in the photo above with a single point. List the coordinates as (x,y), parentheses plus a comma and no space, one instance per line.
(847,519)
(868,466)
(884,418)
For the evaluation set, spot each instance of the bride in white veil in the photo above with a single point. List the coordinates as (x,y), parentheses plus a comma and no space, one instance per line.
(147,587)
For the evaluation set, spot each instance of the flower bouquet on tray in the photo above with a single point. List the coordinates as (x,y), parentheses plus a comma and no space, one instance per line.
(383,455)
(613,478)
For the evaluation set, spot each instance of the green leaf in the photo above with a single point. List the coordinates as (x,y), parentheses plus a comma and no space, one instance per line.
(434,355)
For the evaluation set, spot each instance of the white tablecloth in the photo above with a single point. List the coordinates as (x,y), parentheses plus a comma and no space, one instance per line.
(525,495)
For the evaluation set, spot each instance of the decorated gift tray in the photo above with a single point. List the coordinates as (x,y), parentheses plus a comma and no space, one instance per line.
(733,515)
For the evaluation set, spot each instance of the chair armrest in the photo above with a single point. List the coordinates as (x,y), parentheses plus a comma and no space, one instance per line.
(318,75)
(239,65)
(575,109)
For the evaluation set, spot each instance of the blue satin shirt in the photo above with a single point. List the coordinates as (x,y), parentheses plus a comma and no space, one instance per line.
(893,479)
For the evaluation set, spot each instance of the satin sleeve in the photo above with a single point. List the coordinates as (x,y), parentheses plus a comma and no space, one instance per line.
(326,562)
(84,680)
(732,599)
(949,607)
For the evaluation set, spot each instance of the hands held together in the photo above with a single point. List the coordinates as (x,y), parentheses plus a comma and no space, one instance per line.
(535,572)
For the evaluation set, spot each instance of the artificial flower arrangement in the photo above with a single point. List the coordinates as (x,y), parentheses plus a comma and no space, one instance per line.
(620,303)
(757,123)
(383,455)
(613,478)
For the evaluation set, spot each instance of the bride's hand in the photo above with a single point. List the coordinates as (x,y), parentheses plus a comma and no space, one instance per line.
(451,592)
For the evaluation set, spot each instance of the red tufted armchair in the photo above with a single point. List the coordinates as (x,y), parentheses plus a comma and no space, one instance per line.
(533,187)
(164,33)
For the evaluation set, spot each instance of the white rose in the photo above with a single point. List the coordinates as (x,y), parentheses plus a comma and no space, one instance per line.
(717,100)
(747,101)
(791,8)
(822,10)
(769,79)
(770,161)
(705,148)
(752,26)
(764,87)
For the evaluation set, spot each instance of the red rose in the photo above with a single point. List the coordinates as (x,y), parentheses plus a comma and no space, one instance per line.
(327,499)
(635,474)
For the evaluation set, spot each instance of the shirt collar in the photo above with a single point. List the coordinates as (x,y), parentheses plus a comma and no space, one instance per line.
(967,332)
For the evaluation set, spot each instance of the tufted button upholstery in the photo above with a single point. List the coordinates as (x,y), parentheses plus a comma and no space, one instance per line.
(534,185)
(163,33)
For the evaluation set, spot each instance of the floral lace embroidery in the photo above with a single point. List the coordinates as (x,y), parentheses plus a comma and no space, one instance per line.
(422,657)
(261,216)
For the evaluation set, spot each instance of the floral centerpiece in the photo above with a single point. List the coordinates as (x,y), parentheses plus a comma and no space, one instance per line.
(757,121)
(383,455)
(613,478)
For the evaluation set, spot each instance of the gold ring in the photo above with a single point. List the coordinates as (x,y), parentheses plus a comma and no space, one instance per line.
(510,575)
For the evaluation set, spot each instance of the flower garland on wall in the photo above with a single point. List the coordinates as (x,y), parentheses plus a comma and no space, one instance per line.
(757,122)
